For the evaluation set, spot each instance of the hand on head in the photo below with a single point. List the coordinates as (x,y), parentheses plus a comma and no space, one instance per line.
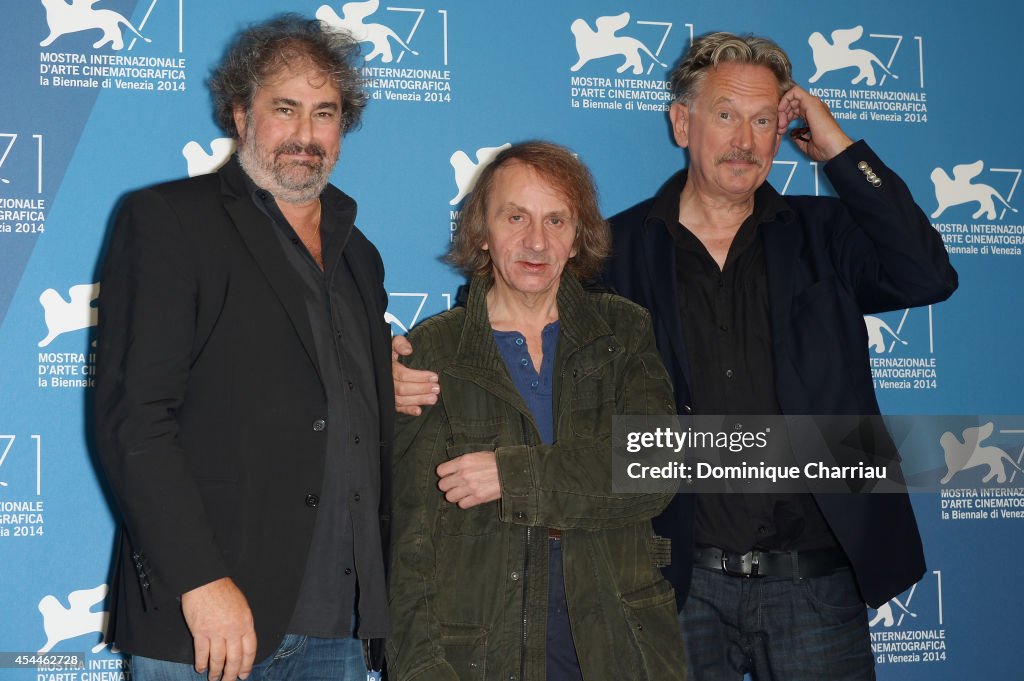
(825,139)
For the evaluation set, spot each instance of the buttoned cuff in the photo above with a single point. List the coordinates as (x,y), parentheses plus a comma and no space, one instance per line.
(518,504)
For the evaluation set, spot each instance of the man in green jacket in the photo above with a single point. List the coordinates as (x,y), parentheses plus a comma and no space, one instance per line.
(513,557)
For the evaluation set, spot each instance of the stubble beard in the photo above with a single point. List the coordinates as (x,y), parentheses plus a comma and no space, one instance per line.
(288,181)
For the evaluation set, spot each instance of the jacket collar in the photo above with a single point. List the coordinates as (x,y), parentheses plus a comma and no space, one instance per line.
(255,229)
(659,286)
(769,205)
(478,359)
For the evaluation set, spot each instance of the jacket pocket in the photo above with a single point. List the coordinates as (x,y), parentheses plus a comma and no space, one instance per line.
(482,519)
(592,407)
(654,631)
(465,649)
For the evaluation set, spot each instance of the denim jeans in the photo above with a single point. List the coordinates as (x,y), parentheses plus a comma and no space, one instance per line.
(776,628)
(298,658)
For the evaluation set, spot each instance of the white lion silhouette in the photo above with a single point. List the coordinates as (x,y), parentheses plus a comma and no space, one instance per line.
(876,339)
(603,42)
(351,19)
(953,191)
(885,613)
(64,316)
(200,163)
(392,319)
(969,454)
(79,15)
(837,55)
(64,624)
(466,171)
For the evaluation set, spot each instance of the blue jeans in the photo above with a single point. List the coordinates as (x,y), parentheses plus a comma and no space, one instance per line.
(776,628)
(302,658)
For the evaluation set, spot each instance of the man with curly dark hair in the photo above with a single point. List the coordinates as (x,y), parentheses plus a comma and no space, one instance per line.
(243,388)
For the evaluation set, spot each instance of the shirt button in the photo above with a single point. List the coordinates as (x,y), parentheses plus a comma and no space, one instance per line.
(519,340)
(356,496)
(312,500)
(356,439)
(524,361)
(319,425)
(724,327)
(762,530)
(514,576)
(348,571)
(351,385)
(728,373)
(520,515)
(534,385)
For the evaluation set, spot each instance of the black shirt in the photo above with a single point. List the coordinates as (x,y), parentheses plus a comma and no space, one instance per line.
(725,315)
(340,327)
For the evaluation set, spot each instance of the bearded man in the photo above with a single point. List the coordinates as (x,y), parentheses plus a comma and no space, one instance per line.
(242,382)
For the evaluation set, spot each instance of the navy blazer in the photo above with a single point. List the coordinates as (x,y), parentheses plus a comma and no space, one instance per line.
(829,262)
(210,406)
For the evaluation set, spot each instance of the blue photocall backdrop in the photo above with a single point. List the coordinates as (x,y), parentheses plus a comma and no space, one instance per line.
(100,98)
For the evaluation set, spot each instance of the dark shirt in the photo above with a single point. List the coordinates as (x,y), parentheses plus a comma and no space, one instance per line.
(729,343)
(340,325)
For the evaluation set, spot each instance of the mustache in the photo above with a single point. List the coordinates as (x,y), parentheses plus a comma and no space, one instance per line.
(744,155)
(311,149)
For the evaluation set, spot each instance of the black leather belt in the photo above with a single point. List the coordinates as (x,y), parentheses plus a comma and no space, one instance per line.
(795,564)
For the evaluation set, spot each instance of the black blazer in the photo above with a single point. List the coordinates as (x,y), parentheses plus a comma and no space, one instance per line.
(829,262)
(209,405)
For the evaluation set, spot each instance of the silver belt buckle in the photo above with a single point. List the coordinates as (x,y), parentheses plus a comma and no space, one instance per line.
(741,565)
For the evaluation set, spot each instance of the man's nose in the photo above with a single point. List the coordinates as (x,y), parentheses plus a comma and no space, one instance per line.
(304,129)
(536,237)
(744,138)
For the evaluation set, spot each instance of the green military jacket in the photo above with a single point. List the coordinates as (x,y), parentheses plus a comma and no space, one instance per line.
(469,587)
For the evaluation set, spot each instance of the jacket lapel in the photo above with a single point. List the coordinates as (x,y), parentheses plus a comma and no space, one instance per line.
(477,359)
(255,230)
(780,257)
(661,292)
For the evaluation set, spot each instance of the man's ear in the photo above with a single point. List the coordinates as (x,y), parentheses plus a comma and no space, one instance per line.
(778,144)
(238,113)
(679,114)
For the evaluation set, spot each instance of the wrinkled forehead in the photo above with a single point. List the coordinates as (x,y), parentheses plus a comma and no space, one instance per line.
(750,85)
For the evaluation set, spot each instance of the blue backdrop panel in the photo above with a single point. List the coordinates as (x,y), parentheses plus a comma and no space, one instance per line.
(100,100)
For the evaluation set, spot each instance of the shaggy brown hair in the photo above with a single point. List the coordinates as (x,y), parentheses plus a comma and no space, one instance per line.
(569,177)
